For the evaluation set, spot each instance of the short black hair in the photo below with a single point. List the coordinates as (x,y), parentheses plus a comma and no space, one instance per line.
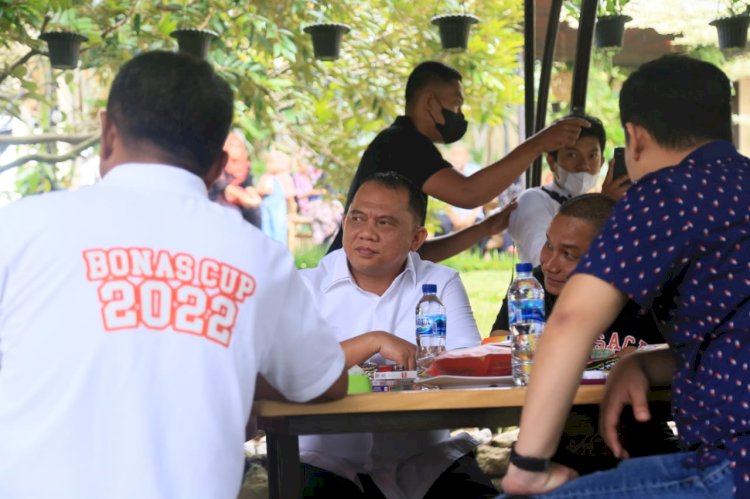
(681,101)
(595,130)
(396,181)
(594,208)
(175,102)
(427,73)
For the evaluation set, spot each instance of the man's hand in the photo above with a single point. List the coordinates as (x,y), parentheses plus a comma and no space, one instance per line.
(521,482)
(627,384)
(615,188)
(247,197)
(362,347)
(498,222)
(402,352)
(563,133)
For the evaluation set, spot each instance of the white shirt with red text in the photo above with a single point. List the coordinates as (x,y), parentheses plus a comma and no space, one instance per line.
(135,315)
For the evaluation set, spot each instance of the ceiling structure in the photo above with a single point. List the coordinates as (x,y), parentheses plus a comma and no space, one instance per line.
(654,31)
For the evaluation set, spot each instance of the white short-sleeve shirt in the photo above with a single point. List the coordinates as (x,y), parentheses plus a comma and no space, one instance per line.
(529,221)
(134,317)
(403,465)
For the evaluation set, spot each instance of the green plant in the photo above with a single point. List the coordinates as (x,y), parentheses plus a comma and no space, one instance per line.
(71,20)
(736,7)
(611,7)
(282,92)
(605,8)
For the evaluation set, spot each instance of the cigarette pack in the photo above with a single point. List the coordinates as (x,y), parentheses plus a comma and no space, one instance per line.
(394,375)
(396,388)
(392,382)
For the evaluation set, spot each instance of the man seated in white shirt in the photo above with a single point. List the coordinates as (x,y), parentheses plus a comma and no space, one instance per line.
(368,291)
(135,313)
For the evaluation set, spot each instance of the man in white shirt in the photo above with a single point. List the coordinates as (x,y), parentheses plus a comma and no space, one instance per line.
(135,314)
(576,171)
(368,292)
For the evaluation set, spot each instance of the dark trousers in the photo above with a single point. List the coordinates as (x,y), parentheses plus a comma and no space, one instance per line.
(462,479)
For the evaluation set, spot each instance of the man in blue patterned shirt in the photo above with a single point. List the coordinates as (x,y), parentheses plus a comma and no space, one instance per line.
(677,243)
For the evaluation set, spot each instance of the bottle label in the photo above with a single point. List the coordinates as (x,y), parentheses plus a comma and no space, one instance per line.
(525,311)
(431,325)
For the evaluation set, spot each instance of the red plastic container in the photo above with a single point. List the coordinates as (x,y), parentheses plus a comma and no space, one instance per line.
(482,360)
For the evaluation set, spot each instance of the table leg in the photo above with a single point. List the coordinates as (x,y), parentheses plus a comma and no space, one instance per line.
(284,477)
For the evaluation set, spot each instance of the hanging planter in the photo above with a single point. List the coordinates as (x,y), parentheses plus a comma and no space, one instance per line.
(195,42)
(454,30)
(326,38)
(732,31)
(63,47)
(610,30)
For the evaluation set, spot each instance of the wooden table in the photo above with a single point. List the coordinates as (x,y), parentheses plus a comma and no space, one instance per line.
(390,411)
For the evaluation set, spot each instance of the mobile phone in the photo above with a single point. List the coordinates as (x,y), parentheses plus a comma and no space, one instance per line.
(619,168)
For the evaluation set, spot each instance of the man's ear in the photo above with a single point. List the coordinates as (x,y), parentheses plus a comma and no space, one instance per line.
(216,168)
(107,142)
(419,238)
(639,139)
(551,162)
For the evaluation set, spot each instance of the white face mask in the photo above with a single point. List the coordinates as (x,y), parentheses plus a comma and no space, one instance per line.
(575,183)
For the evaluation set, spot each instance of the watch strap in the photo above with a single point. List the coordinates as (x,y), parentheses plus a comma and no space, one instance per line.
(528,463)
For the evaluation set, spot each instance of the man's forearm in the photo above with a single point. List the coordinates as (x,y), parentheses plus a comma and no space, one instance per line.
(556,375)
(440,248)
(506,170)
(481,187)
(485,185)
(658,365)
(360,348)
(561,358)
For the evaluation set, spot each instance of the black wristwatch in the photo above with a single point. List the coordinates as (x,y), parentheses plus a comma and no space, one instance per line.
(528,463)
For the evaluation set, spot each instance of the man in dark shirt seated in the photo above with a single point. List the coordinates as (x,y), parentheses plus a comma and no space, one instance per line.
(569,235)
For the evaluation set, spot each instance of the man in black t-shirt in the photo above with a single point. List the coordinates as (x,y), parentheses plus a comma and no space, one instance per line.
(569,235)
(568,238)
(434,96)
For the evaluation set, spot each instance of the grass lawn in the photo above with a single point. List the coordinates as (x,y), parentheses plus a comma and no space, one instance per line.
(486,289)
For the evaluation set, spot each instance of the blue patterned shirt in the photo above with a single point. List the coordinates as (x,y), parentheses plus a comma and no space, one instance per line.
(679,243)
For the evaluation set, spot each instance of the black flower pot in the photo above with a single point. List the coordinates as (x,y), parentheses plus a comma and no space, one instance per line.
(609,31)
(194,41)
(732,31)
(326,39)
(454,30)
(63,47)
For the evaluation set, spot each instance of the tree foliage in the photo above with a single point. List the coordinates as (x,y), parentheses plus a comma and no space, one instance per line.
(283,94)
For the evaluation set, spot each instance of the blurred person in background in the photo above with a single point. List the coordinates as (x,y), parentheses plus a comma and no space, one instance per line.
(234,187)
(277,190)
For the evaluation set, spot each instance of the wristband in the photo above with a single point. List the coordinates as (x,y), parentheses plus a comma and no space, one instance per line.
(528,463)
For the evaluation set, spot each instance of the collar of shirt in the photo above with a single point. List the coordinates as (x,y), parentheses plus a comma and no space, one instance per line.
(552,186)
(341,274)
(404,122)
(710,151)
(156,177)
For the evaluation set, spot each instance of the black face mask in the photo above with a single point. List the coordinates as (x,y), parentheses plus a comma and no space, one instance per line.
(454,127)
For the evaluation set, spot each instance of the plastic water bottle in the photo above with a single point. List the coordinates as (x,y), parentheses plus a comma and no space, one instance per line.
(431,324)
(526,320)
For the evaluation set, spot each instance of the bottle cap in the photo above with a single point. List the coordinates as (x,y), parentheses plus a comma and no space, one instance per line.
(524,267)
(430,288)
